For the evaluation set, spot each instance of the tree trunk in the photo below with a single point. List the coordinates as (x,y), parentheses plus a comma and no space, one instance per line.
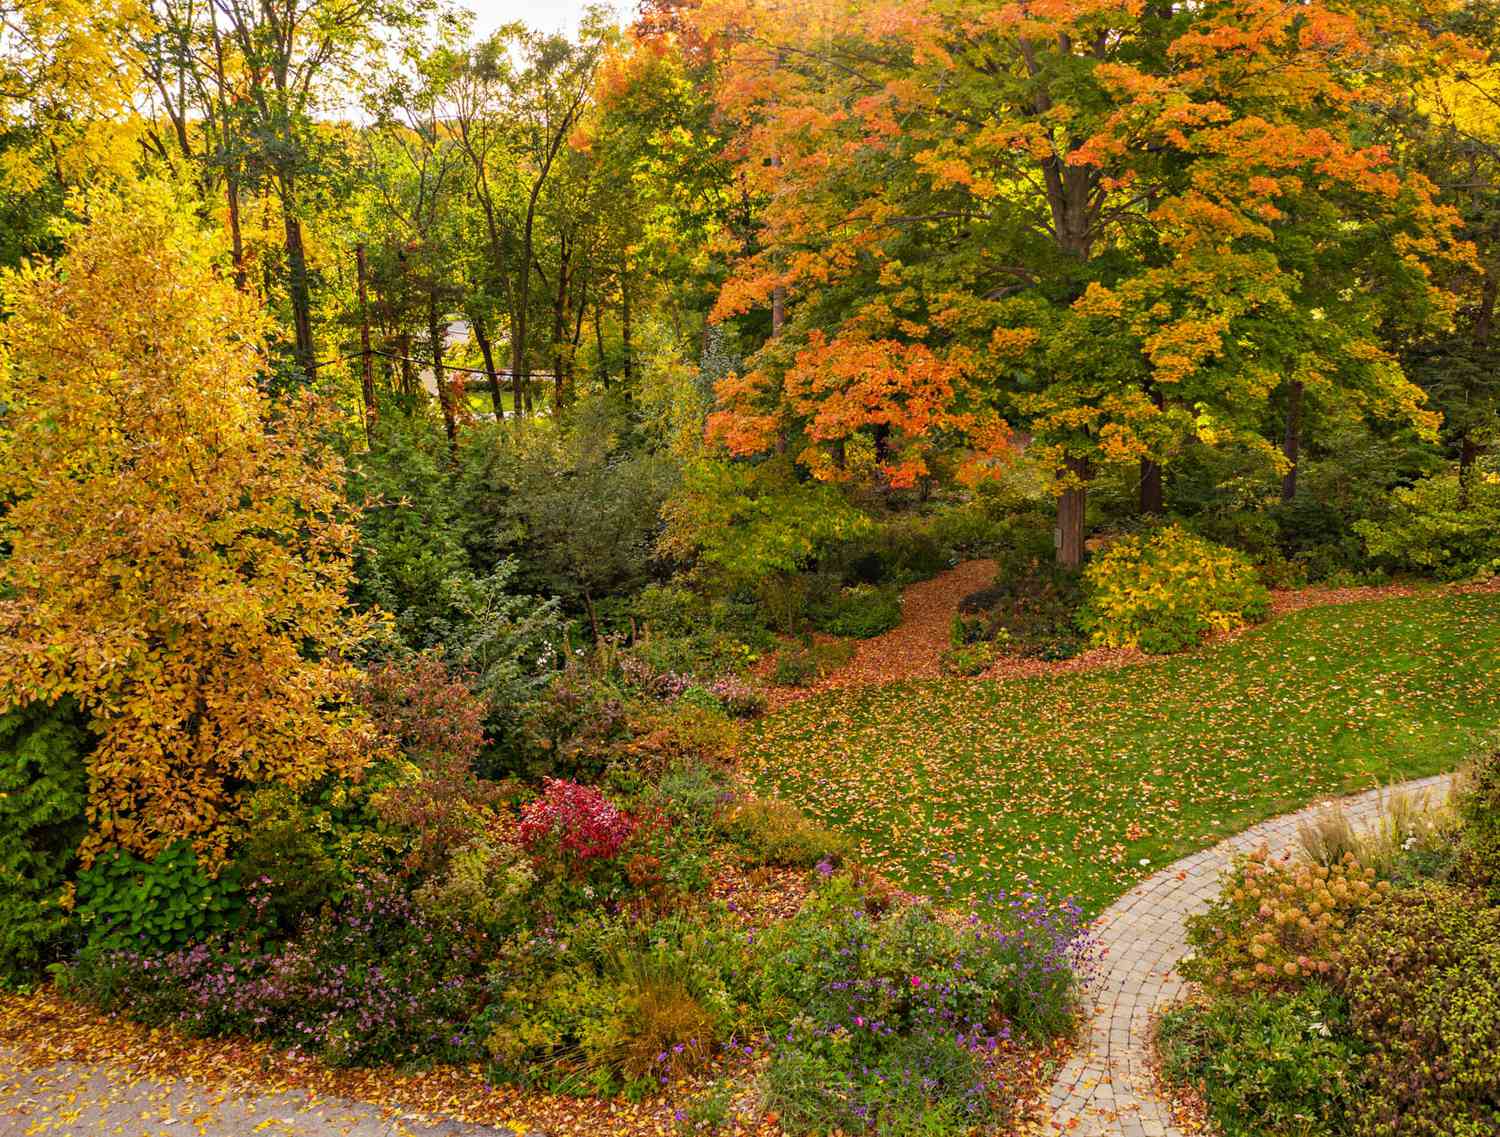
(1153,499)
(236,241)
(299,292)
(486,349)
(560,325)
(778,292)
(1468,466)
(445,396)
(1153,495)
(1469,450)
(578,314)
(366,360)
(1071,507)
(625,331)
(1291,444)
(408,379)
(599,344)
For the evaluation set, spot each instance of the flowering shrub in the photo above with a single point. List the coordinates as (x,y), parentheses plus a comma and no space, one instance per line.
(1166,590)
(375,982)
(728,693)
(1276,925)
(585,824)
(639,673)
(740,699)
(898,1017)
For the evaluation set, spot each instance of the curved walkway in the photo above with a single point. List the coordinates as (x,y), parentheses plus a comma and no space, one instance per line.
(1107,1090)
(913,649)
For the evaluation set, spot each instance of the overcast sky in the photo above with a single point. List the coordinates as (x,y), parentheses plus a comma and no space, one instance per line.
(544,15)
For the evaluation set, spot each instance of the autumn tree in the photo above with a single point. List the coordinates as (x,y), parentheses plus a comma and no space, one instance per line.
(1449,125)
(665,199)
(1117,225)
(179,550)
(516,102)
(414,169)
(68,78)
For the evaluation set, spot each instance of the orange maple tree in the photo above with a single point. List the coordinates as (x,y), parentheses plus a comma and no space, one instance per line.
(1116,224)
(178,553)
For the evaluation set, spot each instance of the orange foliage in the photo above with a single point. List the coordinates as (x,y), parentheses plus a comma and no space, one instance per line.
(1048,209)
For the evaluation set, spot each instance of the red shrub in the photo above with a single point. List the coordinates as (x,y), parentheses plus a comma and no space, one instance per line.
(425,709)
(587,825)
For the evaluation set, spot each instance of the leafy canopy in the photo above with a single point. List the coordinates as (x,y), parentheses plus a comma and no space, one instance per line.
(1119,225)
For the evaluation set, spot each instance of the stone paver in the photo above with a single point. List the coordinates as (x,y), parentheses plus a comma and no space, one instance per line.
(1107,1089)
(83,1099)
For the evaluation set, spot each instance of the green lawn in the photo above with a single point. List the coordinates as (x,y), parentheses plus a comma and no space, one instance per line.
(1082,784)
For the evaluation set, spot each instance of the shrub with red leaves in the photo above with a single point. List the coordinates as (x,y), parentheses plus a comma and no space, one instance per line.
(425,708)
(585,823)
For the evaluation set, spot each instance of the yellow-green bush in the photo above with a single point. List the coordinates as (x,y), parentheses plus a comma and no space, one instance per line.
(1429,532)
(1165,590)
(487,884)
(775,832)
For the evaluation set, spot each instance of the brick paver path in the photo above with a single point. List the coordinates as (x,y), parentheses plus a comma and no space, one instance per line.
(1107,1089)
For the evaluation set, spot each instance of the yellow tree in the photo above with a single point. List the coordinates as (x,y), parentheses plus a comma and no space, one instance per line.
(67,80)
(179,548)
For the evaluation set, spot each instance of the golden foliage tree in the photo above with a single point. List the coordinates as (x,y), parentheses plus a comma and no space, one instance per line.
(180,549)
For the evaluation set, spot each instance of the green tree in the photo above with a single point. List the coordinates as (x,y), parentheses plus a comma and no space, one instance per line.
(43,792)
